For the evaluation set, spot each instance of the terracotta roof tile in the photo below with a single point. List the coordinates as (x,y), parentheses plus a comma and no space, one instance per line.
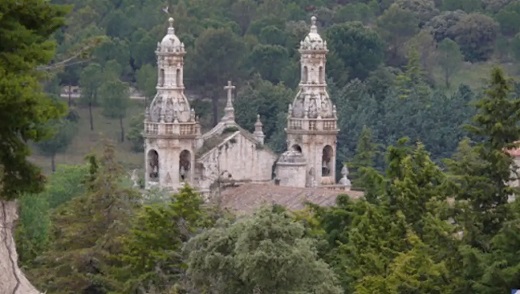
(247,198)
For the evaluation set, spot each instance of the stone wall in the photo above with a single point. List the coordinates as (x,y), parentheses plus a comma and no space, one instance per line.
(238,158)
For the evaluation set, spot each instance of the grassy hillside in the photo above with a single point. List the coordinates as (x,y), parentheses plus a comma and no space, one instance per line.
(86,141)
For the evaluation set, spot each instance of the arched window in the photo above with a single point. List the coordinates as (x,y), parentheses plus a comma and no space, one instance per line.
(297,148)
(161,77)
(178,77)
(326,161)
(184,165)
(305,75)
(153,165)
(321,77)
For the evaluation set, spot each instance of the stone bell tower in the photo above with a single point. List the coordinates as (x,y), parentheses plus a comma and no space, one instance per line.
(172,133)
(311,122)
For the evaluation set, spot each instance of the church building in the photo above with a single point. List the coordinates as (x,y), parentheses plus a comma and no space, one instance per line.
(176,152)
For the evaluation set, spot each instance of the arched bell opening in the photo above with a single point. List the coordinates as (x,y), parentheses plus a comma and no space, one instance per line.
(320,75)
(178,77)
(184,166)
(296,148)
(326,161)
(161,77)
(153,165)
(305,77)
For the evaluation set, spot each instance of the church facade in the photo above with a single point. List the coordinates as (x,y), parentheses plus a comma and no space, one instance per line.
(176,151)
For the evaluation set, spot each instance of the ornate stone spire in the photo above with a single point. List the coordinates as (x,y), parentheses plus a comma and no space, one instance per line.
(312,122)
(314,29)
(170,104)
(312,100)
(171,30)
(229,110)
(259,132)
(313,40)
(170,42)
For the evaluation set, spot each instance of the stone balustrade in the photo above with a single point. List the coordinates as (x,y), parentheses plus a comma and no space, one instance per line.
(312,124)
(171,129)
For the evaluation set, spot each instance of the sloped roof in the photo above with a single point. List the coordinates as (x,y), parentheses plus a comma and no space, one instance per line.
(247,198)
(220,133)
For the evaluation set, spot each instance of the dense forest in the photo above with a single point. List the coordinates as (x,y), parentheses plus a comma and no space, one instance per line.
(425,122)
(399,68)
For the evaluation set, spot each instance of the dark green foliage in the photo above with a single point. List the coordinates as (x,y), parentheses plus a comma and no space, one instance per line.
(450,59)
(64,131)
(269,61)
(359,48)
(266,252)
(366,152)
(115,98)
(24,112)
(264,98)
(391,243)
(151,250)
(217,58)
(403,238)
(85,235)
(34,226)
(483,171)
(423,117)
(509,18)
(476,34)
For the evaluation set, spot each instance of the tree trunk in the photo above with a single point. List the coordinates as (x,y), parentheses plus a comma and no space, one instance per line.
(12,280)
(122,129)
(70,100)
(53,162)
(90,115)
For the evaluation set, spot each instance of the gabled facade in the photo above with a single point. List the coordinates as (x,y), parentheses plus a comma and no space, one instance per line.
(176,152)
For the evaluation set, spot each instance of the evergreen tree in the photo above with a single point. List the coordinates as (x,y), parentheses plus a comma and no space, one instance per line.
(25,29)
(399,241)
(412,82)
(86,235)
(366,152)
(152,249)
(482,172)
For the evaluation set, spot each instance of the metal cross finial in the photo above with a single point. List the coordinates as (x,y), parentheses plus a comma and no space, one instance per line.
(229,89)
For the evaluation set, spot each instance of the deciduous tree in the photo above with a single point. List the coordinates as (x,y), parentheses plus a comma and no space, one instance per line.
(449,59)
(264,253)
(90,81)
(476,34)
(115,101)
(64,131)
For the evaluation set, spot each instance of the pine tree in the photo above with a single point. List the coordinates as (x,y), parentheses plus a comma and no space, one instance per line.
(86,234)
(399,237)
(366,152)
(151,252)
(411,83)
(481,173)
(25,29)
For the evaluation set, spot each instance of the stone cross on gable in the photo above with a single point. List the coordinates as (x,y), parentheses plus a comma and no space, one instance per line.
(229,111)
(229,89)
